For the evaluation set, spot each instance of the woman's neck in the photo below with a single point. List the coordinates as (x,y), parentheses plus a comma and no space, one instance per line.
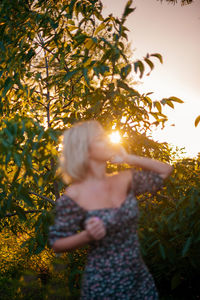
(97,171)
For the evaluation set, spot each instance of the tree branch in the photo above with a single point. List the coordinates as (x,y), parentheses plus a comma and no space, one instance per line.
(47,75)
(26,212)
(43,197)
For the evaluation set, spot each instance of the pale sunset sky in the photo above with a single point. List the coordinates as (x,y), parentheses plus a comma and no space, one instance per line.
(174,32)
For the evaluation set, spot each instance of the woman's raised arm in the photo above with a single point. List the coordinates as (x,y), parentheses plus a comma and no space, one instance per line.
(163,169)
(121,156)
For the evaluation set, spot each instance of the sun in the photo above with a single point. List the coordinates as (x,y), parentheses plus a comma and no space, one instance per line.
(115,137)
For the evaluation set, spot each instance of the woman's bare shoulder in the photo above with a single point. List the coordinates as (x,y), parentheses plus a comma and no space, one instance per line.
(121,177)
(125,176)
(125,173)
(72,191)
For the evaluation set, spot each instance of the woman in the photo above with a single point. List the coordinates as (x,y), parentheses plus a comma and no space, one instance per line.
(101,210)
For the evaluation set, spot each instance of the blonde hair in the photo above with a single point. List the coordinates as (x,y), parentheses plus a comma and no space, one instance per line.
(74,158)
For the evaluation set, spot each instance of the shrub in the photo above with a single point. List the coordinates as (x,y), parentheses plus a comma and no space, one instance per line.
(170,232)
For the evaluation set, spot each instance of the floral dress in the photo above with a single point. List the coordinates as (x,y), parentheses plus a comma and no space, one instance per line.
(114,268)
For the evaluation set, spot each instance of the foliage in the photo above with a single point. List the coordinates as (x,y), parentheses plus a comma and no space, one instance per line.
(64,63)
(14,259)
(169,235)
(62,67)
(26,153)
(39,276)
(169,232)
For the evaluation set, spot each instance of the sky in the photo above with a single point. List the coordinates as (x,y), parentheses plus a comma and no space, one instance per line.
(174,32)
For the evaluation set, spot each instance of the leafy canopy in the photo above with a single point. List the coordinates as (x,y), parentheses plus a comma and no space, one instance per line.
(61,62)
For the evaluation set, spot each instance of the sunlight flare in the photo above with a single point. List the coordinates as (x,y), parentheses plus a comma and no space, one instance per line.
(115,137)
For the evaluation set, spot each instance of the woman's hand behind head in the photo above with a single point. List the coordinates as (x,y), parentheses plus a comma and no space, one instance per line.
(120,155)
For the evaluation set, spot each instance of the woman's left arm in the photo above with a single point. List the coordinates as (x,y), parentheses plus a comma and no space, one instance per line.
(163,169)
(149,179)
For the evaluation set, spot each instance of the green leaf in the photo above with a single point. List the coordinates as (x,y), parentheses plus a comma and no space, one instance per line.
(52,135)
(39,249)
(99,28)
(17,159)
(85,74)
(80,38)
(89,43)
(158,106)
(175,281)
(27,199)
(9,201)
(40,238)
(31,244)
(125,86)
(197,121)
(7,85)
(186,246)
(1,72)
(148,100)
(29,160)
(8,156)
(155,115)
(168,102)
(20,213)
(175,99)
(30,54)
(71,7)
(162,251)
(24,244)
(125,71)
(9,135)
(127,9)
(149,62)
(101,69)
(139,65)
(159,56)
(70,74)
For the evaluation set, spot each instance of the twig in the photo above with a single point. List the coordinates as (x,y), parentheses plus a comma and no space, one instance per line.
(26,212)
(43,197)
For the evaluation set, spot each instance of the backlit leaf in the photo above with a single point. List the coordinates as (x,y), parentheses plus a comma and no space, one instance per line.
(168,102)
(186,246)
(158,106)
(175,99)
(162,251)
(139,65)
(99,28)
(159,56)
(197,121)
(149,62)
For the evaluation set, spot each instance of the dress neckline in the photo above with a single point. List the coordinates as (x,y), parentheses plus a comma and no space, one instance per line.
(99,209)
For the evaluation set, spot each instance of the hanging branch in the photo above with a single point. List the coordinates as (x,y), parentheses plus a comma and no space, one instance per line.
(25,212)
(47,75)
(43,197)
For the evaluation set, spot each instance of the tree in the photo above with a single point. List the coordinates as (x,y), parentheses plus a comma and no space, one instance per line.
(169,232)
(61,62)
